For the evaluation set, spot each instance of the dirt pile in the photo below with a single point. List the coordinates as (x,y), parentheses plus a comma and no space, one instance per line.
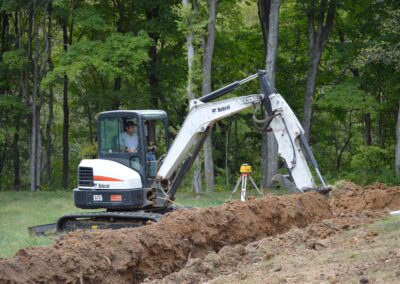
(192,246)
(350,254)
(349,197)
(155,250)
(232,260)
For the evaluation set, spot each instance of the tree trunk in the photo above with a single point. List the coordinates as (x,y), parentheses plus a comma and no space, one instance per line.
(397,163)
(315,56)
(227,139)
(264,7)
(196,180)
(16,159)
(206,88)
(90,118)
(34,137)
(38,99)
(367,129)
(346,143)
(49,143)
(4,33)
(65,167)
(3,157)
(39,153)
(50,102)
(16,139)
(120,29)
(269,144)
(151,14)
(381,122)
(25,72)
(323,17)
(117,88)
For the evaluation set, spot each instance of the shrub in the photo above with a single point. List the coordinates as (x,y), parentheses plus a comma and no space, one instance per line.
(373,164)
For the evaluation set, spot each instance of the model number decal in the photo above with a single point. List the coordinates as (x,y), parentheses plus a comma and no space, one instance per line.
(247,100)
(104,185)
(97,197)
(219,109)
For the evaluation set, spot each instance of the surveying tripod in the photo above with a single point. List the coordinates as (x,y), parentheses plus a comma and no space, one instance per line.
(245,171)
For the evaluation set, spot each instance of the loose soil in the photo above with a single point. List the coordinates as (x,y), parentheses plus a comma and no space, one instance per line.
(336,250)
(348,197)
(262,240)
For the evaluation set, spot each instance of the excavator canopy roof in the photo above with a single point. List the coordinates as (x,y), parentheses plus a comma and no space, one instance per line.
(146,114)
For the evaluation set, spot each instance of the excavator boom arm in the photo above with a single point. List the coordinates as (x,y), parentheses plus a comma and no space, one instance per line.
(203,114)
(200,118)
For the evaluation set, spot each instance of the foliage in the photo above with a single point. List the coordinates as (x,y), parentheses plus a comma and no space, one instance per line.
(373,164)
(15,60)
(143,47)
(386,48)
(119,55)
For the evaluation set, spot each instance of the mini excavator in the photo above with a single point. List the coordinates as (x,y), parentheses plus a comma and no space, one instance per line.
(136,187)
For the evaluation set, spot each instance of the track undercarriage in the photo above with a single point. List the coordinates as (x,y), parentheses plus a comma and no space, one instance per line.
(100,220)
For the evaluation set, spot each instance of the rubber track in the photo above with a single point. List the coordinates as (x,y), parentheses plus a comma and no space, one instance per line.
(145,216)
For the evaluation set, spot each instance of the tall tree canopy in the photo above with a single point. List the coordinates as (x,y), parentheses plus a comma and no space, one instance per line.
(62,62)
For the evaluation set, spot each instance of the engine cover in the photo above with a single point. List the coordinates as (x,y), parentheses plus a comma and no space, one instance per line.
(109,184)
(106,174)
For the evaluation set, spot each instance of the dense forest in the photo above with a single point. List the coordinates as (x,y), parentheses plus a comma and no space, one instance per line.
(336,62)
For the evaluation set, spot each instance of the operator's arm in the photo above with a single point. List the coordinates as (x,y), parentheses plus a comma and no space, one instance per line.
(121,141)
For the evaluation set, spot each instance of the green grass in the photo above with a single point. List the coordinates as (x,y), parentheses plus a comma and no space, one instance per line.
(388,225)
(204,200)
(20,210)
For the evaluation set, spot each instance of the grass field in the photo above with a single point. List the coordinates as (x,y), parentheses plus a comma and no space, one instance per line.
(20,210)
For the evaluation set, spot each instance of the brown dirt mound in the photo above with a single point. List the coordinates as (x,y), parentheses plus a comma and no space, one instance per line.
(349,197)
(153,251)
(234,259)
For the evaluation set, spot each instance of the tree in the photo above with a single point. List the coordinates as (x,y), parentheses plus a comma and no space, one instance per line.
(320,15)
(206,88)
(397,161)
(49,123)
(385,51)
(187,15)
(37,94)
(269,17)
(130,56)
(64,14)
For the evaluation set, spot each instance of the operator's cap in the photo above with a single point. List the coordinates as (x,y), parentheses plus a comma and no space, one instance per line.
(130,123)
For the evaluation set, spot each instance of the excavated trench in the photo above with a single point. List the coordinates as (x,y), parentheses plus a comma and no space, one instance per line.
(156,250)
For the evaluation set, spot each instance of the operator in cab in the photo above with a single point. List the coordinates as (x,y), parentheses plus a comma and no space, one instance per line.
(128,140)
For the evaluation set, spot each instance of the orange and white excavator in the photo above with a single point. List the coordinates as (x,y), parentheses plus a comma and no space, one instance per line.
(139,186)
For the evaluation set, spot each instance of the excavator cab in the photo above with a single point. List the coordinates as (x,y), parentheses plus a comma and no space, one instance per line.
(122,175)
(150,136)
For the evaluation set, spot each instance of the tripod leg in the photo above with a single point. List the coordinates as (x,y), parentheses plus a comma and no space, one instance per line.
(243,193)
(237,185)
(255,185)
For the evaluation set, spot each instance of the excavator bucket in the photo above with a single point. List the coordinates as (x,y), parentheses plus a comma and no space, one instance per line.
(42,230)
